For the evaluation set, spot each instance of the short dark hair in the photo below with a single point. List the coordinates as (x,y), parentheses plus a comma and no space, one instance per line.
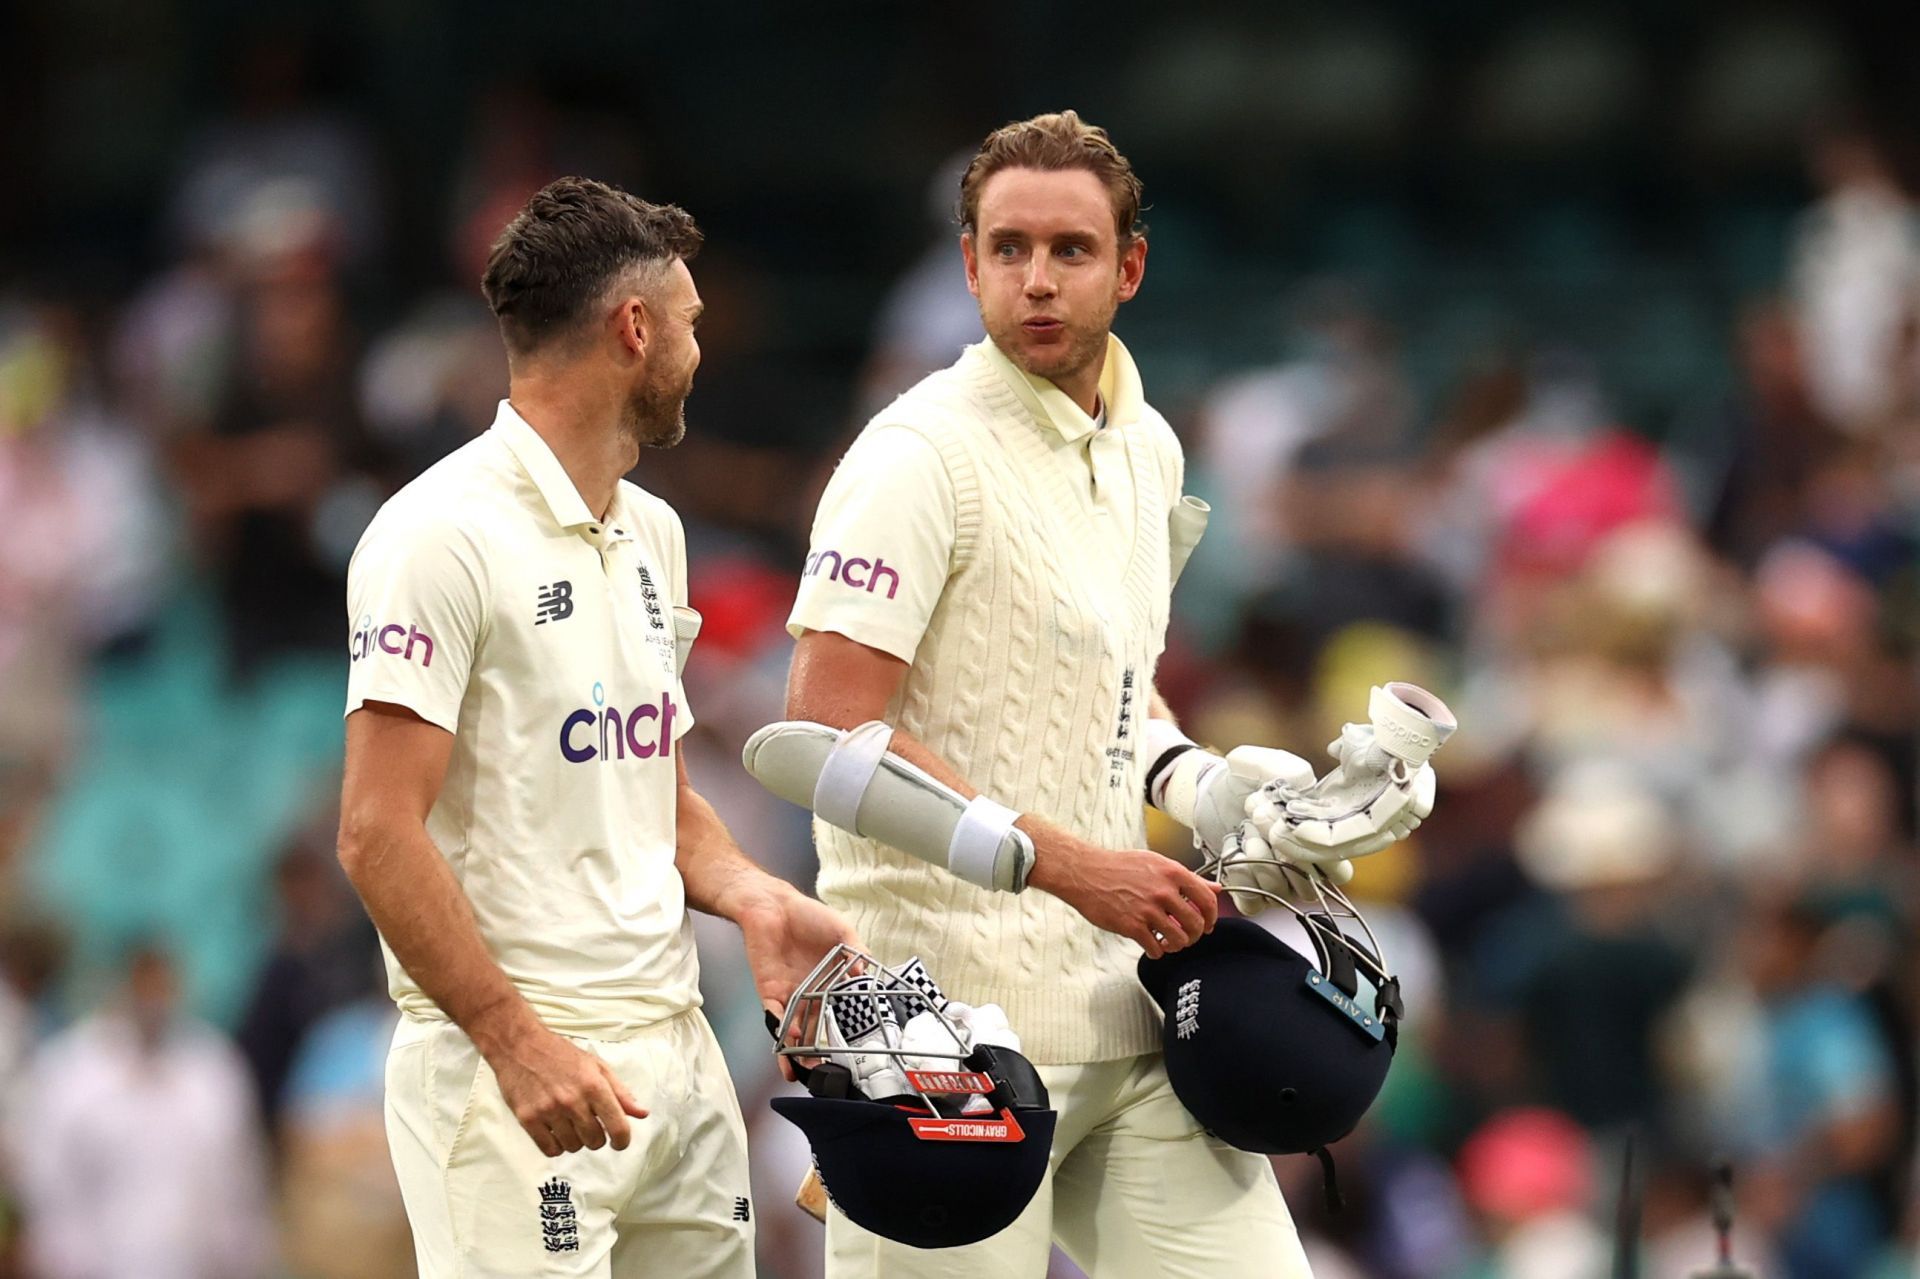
(563,251)
(1059,140)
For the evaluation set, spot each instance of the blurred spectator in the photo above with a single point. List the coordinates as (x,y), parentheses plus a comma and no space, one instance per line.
(326,955)
(1601,977)
(1856,278)
(135,1145)
(280,483)
(1302,453)
(1823,1121)
(928,313)
(81,545)
(341,1214)
(1528,1175)
(31,951)
(279,135)
(1749,471)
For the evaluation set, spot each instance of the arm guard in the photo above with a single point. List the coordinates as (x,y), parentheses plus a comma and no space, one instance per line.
(852,781)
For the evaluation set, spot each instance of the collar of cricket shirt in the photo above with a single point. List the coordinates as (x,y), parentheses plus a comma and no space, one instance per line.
(1120,392)
(544,469)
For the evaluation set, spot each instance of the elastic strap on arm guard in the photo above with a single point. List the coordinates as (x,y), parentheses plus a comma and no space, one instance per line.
(853,782)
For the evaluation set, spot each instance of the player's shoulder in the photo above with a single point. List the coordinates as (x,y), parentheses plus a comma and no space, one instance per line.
(1164,443)
(918,435)
(653,514)
(453,502)
(942,406)
(1158,430)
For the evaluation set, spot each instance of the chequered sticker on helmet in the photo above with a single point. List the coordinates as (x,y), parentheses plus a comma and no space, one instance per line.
(930,995)
(857,1009)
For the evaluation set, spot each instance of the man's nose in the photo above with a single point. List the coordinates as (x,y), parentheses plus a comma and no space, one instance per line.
(1039,280)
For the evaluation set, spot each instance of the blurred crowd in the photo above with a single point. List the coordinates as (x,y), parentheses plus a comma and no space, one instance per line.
(1667,899)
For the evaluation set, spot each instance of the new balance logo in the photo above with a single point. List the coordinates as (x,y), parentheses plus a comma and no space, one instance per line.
(555,604)
(559,1223)
(742,1211)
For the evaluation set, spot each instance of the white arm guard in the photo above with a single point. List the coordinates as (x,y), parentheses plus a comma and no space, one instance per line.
(852,781)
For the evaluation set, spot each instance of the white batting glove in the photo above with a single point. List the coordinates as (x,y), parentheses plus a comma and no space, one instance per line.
(1382,789)
(1251,868)
(1207,793)
(1229,785)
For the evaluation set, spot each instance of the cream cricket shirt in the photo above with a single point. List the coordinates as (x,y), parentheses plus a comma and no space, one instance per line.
(984,530)
(486,598)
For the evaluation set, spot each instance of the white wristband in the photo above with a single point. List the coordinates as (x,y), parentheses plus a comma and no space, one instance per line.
(1163,740)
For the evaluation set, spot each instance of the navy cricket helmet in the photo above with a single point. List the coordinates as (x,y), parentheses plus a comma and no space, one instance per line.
(1272,1052)
(930,1166)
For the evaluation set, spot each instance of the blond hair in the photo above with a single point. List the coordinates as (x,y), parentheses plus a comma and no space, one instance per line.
(1055,141)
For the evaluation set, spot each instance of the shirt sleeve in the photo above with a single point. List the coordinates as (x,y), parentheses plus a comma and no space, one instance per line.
(882,544)
(416,603)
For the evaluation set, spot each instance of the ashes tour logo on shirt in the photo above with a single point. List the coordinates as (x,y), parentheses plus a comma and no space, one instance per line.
(1120,754)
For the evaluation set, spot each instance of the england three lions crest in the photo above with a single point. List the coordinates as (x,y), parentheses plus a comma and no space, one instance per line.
(559,1223)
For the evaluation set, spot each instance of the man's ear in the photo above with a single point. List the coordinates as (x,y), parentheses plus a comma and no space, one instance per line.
(633,324)
(1133,266)
(972,260)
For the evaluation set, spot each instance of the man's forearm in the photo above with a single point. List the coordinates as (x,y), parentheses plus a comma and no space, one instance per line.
(420,910)
(720,879)
(1053,846)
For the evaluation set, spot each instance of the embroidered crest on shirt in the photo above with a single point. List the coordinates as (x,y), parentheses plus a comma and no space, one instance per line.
(1120,754)
(659,635)
(553,604)
(559,1224)
(651,598)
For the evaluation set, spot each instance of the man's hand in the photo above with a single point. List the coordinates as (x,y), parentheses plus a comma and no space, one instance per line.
(564,1096)
(1134,892)
(786,935)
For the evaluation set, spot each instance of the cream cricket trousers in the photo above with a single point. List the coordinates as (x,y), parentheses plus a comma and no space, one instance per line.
(483,1201)
(1135,1189)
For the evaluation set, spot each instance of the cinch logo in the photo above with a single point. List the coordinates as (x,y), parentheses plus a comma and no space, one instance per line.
(843,570)
(606,732)
(369,636)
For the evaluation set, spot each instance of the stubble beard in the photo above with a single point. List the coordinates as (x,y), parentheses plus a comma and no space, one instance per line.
(656,417)
(1085,346)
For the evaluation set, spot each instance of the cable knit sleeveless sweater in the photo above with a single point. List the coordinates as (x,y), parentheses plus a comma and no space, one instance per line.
(1032,680)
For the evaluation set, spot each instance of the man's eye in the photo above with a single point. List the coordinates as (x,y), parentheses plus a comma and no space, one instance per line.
(1007,250)
(1071,251)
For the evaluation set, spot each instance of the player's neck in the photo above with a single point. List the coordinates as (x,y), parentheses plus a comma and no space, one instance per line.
(581,429)
(1082,386)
